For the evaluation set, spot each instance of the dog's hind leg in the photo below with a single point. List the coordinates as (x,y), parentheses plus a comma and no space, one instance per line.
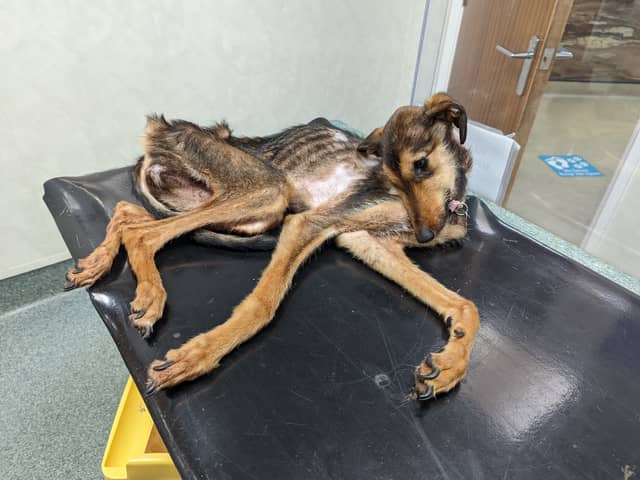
(441,371)
(90,269)
(264,209)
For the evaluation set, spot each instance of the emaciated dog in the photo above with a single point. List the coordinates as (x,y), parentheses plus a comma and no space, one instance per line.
(402,186)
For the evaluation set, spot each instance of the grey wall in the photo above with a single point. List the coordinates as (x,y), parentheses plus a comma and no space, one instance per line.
(78,78)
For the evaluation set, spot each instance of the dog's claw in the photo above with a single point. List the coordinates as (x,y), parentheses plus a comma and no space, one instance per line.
(455,243)
(429,376)
(428,395)
(145,331)
(428,361)
(435,371)
(448,321)
(140,313)
(77,269)
(69,285)
(458,333)
(152,386)
(163,366)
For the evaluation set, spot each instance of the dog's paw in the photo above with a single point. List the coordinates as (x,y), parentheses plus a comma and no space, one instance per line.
(440,372)
(443,370)
(89,270)
(451,244)
(147,307)
(190,361)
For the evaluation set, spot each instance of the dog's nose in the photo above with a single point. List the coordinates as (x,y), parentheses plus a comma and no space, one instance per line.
(424,234)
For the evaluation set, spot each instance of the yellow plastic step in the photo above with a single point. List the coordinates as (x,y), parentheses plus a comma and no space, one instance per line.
(135,450)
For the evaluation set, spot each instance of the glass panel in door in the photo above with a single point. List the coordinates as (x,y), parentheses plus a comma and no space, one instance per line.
(579,174)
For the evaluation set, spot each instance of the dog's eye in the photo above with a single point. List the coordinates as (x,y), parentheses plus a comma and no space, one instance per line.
(420,167)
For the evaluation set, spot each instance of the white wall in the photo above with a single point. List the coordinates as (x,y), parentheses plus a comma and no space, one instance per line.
(78,77)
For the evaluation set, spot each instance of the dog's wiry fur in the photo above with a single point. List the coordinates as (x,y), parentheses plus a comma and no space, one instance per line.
(374,196)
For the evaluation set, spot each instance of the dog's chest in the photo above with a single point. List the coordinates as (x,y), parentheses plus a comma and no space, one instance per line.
(320,189)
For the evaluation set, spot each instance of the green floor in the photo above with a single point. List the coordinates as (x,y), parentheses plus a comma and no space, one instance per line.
(62,378)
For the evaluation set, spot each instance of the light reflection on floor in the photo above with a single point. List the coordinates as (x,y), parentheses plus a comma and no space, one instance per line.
(528,390)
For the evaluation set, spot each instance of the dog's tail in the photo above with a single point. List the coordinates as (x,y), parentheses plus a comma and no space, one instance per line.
(261,242)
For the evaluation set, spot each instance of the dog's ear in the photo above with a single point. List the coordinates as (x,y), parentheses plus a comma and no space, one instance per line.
(442,107)
(372,145)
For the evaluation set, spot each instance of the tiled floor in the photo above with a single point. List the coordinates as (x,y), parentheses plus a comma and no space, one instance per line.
(62,378)
(32,286)
(594,121)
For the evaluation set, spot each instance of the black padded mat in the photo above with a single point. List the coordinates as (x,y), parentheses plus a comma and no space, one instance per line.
(553,388)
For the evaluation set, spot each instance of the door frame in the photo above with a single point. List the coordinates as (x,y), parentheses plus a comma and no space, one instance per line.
(436,48)
(611,202)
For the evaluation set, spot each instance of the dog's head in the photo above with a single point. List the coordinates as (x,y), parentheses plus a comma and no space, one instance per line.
(425,160)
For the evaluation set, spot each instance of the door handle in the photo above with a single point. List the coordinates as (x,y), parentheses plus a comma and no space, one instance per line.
(549,53)
(526,65)
(563,54)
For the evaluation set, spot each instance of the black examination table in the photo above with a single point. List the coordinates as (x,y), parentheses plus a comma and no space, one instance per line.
(553,388)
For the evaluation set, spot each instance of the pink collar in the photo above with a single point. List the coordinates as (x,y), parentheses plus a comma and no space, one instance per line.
(458,207)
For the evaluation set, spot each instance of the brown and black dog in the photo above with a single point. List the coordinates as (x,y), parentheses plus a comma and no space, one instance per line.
(403,186)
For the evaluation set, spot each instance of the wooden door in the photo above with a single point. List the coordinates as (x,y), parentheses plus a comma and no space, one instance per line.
(485,80)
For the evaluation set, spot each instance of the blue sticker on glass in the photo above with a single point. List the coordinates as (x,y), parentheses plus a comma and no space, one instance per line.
(570,166)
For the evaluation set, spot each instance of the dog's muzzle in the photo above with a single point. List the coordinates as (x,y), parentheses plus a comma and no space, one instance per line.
(424,234)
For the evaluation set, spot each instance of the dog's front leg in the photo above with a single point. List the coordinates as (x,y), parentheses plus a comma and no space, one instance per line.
(439,372)
(300,236)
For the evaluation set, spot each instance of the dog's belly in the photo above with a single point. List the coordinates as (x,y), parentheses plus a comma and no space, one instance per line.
(323,189)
